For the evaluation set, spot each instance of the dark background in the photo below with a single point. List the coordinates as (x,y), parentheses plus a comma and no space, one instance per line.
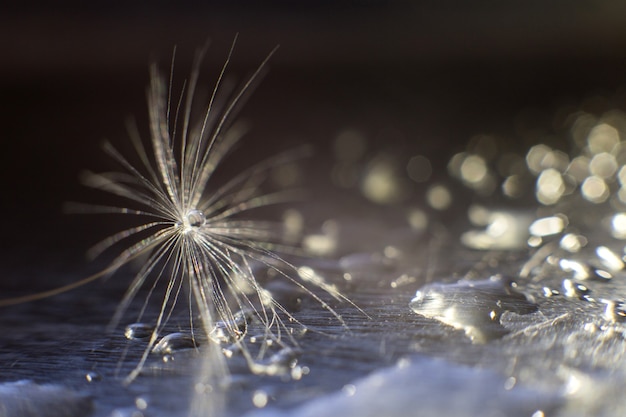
(420,77)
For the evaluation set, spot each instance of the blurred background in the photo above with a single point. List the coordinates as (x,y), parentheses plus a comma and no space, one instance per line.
(412,77)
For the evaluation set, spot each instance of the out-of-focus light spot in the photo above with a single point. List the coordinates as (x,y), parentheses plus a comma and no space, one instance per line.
(293,222)
(504,231)
(550,186)
(578,169)
(547,226)
(483,145)
(417,219)
(609,258)
(513,186)
(345,175)
(535,156)
(454,165)
(580,270)
(572,242)
(602,138)
(324,243)
(534,241)
(621,176)
(382,183)
(618,226)
(621,194)
(555,159)
(438,197)
(286,175)
(581,127)
(473,169)
(419,168)
(478,215)
(594,189)
(259,398)
(349,145)
(603,165)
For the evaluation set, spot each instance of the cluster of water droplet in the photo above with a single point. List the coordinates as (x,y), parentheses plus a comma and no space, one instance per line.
(576,228)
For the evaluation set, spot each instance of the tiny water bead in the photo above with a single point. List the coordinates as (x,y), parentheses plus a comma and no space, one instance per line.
(136,331)
(174,342)
(576,290)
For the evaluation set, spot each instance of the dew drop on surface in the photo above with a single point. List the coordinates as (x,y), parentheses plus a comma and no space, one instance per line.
(615,311)
(229,331)
(93,376)
(575,290)
(141,403)
(259,398)
(174,342)
(549,292)
(138,331)
(472,306)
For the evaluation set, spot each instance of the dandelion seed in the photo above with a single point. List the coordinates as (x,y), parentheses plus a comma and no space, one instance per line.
(192,231)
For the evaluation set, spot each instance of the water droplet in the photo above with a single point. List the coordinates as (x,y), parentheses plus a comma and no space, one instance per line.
(93,376)
(194,219)
(232,330)
(615,311)
(138,331)
(279,363)
(472,306)
(549,292)
(174,342)
(575,289)
(141,403)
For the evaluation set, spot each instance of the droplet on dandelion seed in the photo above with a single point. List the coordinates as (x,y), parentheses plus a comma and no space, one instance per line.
(194,219)
(174,342)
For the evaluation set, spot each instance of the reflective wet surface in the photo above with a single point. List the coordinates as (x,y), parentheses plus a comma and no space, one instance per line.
(460,271)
